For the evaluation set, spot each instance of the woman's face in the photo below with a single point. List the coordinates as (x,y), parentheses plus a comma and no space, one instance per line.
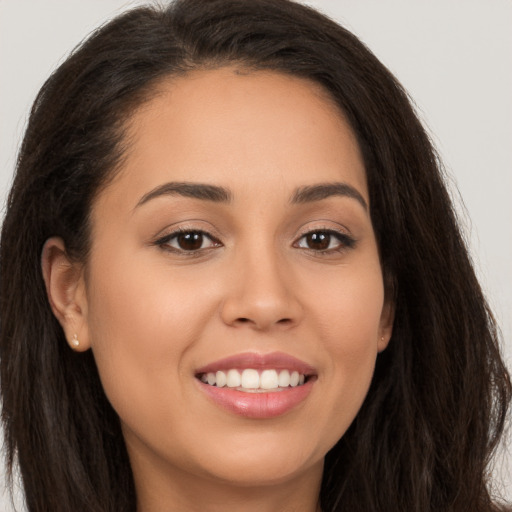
(235,239)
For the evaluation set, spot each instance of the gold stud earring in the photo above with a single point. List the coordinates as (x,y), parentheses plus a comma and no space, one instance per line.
(75,342)
(382,341)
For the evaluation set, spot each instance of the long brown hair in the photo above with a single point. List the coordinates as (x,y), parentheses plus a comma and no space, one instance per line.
(437,406)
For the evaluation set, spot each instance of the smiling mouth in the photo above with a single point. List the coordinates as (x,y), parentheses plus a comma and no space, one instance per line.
(257,386)
(251,380)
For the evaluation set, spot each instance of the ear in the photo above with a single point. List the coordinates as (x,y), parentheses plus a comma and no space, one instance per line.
(65,287)
(386,324)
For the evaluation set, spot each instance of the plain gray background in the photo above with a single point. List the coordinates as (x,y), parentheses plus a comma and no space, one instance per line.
(454,57)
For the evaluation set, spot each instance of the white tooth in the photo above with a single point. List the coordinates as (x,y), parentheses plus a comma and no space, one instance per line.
(284,378)
(211,378)
(204,378)
(269,379)
(250,379)
(294,379)
(233,379)
(221,379)
(302,379)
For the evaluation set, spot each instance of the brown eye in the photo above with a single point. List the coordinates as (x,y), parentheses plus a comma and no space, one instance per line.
(188,241)
(325,241)
(318,241)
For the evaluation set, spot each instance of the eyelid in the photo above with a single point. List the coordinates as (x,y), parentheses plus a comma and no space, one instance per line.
(326,226)
(187,225)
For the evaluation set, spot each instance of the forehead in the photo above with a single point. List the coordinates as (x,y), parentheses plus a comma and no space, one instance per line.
(240,128)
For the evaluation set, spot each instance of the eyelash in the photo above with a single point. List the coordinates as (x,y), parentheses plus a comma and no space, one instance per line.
(345,241)
(164,242)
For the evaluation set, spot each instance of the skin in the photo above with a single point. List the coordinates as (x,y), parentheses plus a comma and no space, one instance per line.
(154,313)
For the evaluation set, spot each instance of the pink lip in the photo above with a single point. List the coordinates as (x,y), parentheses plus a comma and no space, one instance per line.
(259,405)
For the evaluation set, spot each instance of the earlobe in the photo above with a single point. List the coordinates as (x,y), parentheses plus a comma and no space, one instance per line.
(65,289)
(386,325)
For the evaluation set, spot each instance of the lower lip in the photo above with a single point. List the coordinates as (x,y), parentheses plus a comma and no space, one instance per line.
(258,405)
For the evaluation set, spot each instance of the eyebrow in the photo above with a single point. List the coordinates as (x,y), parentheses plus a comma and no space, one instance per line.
(217,194)
(202,191)
(311,193)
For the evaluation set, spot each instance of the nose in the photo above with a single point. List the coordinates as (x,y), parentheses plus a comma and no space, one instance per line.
(262,293)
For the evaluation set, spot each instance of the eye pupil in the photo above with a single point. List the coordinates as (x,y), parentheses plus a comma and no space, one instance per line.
(318,241)
(190,241)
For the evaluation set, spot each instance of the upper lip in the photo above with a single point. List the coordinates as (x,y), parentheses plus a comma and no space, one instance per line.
(253,360)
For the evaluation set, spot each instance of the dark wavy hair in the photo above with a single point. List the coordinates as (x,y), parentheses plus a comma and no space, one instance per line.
(437,406)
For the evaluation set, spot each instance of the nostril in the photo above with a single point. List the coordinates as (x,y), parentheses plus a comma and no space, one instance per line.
(282,321)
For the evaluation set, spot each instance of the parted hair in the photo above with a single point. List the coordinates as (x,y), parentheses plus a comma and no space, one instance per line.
(437,406)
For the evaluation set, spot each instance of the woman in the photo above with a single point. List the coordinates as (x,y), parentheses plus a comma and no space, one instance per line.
(232,277)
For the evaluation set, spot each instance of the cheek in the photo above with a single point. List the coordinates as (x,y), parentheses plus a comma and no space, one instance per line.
(348,324)
(349,307)
(142,324)
(137,305)
(352,339)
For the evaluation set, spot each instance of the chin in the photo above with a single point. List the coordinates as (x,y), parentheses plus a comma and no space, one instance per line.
(263,461)
(263,473)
